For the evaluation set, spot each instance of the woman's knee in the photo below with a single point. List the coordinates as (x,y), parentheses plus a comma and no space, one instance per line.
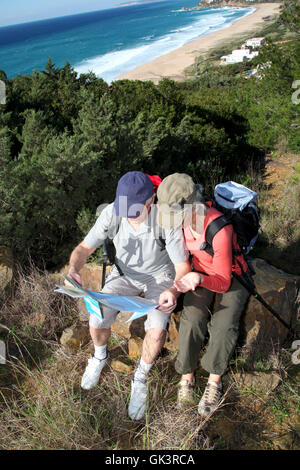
(195,316)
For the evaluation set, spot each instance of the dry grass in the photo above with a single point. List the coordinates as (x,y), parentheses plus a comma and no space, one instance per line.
(43,407)
(279,203)
(46,409)
(34,310)
(280,218)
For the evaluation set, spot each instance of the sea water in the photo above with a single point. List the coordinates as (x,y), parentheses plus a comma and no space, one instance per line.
(109,42)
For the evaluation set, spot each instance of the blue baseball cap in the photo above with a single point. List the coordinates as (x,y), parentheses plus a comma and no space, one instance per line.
(133,190)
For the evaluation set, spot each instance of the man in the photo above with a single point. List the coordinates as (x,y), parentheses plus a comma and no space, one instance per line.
(143,264)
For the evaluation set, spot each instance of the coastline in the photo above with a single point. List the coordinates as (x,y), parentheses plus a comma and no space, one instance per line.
(173,64)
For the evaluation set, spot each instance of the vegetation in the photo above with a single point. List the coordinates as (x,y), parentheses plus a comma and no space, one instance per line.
(66,139)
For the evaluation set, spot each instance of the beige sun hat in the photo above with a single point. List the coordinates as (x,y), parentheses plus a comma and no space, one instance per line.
(175,194)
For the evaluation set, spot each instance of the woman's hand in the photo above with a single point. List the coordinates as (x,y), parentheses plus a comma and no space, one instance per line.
(188,282)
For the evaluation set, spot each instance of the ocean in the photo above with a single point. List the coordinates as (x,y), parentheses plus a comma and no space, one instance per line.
(109,42)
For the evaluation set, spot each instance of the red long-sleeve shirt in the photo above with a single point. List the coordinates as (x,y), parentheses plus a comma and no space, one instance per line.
(217,268)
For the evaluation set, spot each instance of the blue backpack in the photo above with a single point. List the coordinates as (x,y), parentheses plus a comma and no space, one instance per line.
(237,204)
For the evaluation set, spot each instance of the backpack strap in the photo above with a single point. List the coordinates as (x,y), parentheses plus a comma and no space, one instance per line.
(108,247)
(211,230)
(162,243)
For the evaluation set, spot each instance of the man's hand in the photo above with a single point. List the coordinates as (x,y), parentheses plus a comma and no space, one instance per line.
(168,300)
(78,258)
(188,282)
(73,275)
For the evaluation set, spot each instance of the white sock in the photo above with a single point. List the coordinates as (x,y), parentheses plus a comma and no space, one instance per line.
(142,371)
(100,352)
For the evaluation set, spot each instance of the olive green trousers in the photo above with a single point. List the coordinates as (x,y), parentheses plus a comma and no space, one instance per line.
(218,315)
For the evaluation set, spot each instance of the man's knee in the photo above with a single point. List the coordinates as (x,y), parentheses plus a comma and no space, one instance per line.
(156,334)
(157,320)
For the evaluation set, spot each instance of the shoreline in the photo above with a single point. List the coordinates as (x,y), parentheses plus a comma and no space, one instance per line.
(173,64)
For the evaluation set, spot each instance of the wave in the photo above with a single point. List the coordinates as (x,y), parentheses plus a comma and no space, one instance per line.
(112,64)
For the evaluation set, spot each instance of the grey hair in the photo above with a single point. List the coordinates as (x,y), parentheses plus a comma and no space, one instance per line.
(149,200)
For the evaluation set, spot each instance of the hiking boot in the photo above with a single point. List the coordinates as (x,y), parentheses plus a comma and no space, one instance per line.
(138,400)
(92,372)
(210,399)
(185,396)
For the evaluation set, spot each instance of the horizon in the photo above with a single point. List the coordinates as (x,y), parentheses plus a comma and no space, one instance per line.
(108,5)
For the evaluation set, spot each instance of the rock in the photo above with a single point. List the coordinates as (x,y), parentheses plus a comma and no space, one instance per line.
(263,382)
(268,277)
(137,327)
(135,346)
(6,268)
(120,326)
(75,337)
(120,366)
(262,331)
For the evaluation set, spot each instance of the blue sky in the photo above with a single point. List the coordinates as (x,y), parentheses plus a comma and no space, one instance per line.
(20,11)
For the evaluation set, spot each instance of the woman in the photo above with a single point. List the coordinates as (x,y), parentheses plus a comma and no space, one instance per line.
(214,301)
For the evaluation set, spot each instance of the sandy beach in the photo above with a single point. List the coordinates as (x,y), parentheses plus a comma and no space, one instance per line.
(173,64)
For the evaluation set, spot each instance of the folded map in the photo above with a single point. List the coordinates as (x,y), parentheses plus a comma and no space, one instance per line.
(92,299)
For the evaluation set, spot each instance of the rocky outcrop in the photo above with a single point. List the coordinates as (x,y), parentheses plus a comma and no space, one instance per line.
(74,337)
(262,331)
(263,382)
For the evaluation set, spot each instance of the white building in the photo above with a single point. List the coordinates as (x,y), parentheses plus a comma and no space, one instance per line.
(238,55)
(254,42)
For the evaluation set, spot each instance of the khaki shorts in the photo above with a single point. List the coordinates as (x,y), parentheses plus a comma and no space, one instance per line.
(122,285)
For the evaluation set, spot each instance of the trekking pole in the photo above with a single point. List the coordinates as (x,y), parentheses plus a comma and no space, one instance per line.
(257,296)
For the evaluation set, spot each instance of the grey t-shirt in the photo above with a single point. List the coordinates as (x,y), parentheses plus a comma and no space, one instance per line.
(138,253)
